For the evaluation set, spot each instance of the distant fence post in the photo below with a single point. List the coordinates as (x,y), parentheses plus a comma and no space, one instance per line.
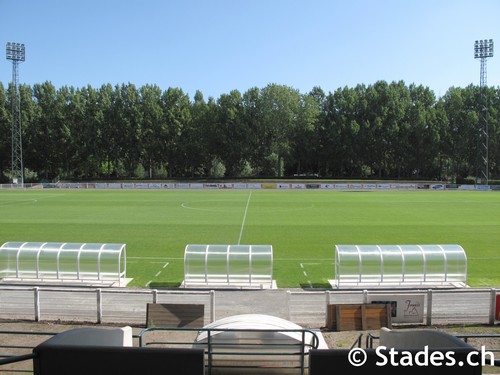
(155,296)
(288,304)
(99,305)
(328,301)
(212,306)
(365,296)
(429,307)
(36,296)
(493,296)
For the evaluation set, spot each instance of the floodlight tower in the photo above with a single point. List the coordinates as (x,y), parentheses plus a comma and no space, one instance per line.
(15,53)
(483,49)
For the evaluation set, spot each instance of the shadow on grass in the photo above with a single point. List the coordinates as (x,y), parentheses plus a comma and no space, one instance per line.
(316,286)
(165,285)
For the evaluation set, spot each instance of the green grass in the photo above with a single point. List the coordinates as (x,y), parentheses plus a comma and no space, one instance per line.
(302,226)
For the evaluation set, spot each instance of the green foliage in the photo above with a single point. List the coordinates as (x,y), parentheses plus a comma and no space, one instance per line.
(383,130)
(218,168)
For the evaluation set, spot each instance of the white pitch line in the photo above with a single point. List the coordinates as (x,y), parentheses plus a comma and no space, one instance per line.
(29,200)
(157,274)
(244,217)
(305,273)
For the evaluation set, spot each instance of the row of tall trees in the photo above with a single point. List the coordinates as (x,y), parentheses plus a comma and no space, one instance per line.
(383,130)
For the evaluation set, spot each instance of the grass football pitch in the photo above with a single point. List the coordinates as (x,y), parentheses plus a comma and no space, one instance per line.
(302,226)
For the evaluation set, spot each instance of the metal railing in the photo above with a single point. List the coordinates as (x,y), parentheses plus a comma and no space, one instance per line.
(225,353)
(251,350)
(357,342)
(248,352)
(12,353)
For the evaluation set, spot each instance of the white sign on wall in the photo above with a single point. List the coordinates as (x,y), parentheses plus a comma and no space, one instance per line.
(405,308)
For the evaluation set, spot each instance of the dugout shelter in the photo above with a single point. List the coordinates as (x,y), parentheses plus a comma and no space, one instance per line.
(241,266)
(85,262)
(400,265)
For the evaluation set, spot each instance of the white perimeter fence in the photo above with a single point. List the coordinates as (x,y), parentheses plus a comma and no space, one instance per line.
(252,185)
(128,306)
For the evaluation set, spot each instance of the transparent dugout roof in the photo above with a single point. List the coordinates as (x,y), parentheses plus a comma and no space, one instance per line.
(256,328)
(57,260)
(400,264)
(228,265)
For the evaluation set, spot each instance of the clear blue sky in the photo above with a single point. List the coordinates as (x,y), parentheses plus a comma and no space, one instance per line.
(220,45)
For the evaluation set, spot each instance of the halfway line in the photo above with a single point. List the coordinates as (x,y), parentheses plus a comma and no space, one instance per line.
(244,217)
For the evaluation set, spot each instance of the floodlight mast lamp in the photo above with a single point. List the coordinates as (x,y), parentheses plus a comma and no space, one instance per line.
(483,49)
(15,53)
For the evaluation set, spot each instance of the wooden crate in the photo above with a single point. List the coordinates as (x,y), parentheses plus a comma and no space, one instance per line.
(175,315)
(358,317)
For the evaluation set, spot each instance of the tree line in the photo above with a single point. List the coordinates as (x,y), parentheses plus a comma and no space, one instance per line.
(383,130)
